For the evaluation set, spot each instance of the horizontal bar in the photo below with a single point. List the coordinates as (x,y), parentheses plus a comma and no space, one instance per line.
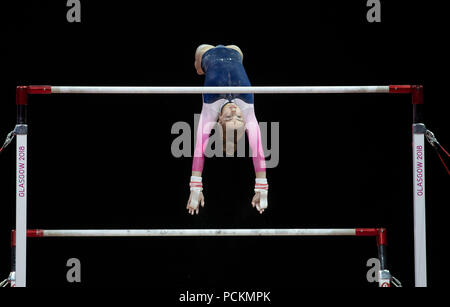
(193,232)
(217,89)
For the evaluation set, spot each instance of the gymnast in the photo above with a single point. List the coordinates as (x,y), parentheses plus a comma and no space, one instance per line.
(222,66)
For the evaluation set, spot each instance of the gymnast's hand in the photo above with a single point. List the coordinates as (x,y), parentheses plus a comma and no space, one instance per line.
(260,199)
(196,198)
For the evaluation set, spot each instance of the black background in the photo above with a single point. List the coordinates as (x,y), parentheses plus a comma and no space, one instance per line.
(104,161)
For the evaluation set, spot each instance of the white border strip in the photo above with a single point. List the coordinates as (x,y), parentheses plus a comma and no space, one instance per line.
(217,89)
(195,232)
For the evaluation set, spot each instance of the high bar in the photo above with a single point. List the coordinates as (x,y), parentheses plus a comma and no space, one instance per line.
(199,232)
(47,89)
(218,89)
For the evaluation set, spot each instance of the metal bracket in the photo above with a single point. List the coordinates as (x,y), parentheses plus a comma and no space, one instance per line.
(419,128)
(21,130)
(384,274)
(18,130)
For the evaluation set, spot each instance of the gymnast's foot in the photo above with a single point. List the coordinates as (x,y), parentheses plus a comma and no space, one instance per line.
(198,57)
(236,48)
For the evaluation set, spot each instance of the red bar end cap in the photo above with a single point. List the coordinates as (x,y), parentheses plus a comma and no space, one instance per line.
(400,89)
(35,233)
(366,232)
(39,89)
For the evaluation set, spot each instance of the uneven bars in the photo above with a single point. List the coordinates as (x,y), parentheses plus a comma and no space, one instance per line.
(418,143)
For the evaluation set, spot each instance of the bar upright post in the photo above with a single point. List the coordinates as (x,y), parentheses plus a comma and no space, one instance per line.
(21,132)
(418,144)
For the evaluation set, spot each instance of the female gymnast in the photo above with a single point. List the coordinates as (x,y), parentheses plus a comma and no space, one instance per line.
(222,66)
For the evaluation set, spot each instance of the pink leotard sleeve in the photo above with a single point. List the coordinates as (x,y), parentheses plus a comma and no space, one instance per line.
(253,134)
(208,118)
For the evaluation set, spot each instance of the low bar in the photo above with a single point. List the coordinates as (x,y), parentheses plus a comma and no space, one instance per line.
(213,89)
(188,232)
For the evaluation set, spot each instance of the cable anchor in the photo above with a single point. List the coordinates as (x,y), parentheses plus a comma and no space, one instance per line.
(8,140)
(434,142)
(396,282)
(11,280)
(431,138)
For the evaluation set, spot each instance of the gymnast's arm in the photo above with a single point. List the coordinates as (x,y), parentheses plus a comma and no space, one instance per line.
(208,118)
(259,162)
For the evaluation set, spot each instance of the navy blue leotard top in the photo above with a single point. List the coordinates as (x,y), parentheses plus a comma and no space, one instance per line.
(223,67)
